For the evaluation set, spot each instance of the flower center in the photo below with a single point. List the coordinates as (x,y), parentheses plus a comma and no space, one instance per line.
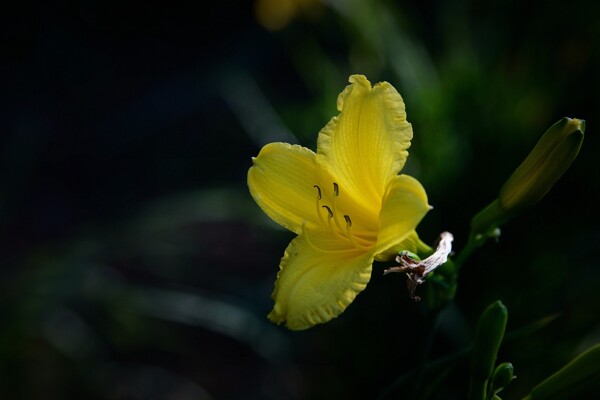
(328,213)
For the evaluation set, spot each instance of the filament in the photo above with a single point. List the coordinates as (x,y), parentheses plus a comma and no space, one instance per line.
(336,192)
(319,197)
(349,234)
(312,244)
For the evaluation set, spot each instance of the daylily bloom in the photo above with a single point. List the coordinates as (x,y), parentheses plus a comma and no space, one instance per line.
(346,202)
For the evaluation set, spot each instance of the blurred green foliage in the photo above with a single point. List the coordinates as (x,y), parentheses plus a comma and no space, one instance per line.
(578,379)
(135,265)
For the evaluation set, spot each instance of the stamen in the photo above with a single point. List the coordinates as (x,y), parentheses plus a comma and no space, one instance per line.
(329,218)
(319,197)
(339,229)
(312,244)
(318,190)
(336,191)
(348,220)
(349,234)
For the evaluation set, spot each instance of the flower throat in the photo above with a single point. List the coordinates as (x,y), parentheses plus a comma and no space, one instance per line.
(329,213)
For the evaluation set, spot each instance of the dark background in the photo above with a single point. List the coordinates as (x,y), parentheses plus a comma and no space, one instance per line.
(135,265)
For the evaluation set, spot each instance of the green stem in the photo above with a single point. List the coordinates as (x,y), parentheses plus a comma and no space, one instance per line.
(472,245)
(477,390)
(484,225)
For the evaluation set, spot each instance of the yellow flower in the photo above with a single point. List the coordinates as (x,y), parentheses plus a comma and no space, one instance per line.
(346,202)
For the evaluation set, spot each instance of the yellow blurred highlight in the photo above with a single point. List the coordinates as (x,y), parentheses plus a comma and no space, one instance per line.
(277,14)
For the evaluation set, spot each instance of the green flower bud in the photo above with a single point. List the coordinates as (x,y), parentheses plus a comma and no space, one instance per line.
(546,163)
(503,375)
(488,337)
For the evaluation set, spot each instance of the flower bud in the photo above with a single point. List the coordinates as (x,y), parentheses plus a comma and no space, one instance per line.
(503,375)
(490,331)
(546,163)
(488,337)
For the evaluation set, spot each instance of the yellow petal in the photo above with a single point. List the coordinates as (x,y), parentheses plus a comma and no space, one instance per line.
(315,286)
(282,180)
(365,146)
(404,205)
(410,243)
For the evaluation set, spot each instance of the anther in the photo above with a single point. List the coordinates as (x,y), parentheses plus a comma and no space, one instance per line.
(318,190)
(348,220)
(336,189)
(349,235)
(329,211)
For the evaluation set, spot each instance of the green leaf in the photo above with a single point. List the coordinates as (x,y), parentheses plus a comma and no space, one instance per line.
(579,377)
